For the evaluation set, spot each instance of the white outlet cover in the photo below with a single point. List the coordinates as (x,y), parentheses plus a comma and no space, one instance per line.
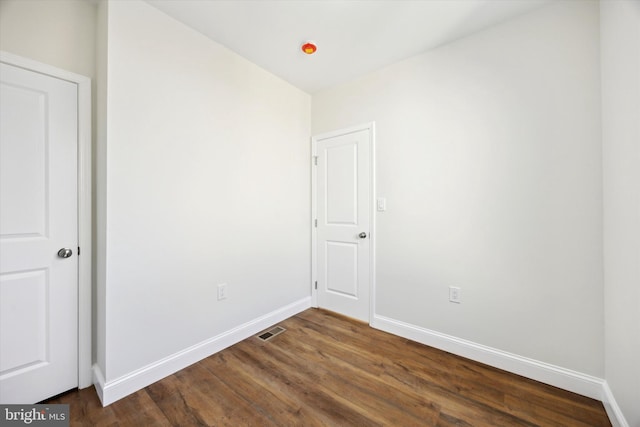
(455,294)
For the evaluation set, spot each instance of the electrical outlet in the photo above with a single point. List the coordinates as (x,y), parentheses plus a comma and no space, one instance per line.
(455,294)
(222,291)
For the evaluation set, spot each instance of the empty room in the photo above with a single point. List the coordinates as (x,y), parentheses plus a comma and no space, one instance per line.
(320,212)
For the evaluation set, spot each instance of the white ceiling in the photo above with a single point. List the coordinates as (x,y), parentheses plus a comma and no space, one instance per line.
(354,37)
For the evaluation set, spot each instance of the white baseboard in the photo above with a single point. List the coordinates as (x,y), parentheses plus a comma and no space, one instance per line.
(611,406)
(583,384)
(98,381)
(566,379)
(116,389)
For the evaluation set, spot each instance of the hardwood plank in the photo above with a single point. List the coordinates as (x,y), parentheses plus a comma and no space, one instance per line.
(335,407)
(229,409)
(269,395)
(138,409)
(366,394)
(337,364)
(492,386)
(542,402)
(85,408)
(329,370)
(169,395)
(412,386)
(188,399)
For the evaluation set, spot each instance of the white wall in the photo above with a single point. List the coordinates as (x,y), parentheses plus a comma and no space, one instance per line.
(207,181)
(620,46)
(100,187)
(58,33)
(488,152)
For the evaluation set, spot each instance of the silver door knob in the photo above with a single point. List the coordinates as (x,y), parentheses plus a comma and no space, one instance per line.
(362,235)
(65,253)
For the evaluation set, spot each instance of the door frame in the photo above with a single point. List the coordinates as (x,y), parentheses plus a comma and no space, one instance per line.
(370,126)
(83,84)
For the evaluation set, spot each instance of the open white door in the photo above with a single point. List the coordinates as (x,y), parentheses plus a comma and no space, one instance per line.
(343,241)
(38,235)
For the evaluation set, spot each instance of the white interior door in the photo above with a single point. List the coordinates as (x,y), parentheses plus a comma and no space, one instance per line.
(38,217)
(343,206)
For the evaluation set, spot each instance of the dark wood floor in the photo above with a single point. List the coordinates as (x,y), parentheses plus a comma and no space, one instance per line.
(329,370)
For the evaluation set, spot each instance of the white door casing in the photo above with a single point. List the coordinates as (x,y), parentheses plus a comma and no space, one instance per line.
(343,238)
(44,173)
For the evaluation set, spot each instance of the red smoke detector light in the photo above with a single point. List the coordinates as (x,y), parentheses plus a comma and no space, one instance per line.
(309,48)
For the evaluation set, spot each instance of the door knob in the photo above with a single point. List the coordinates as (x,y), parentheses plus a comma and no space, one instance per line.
(65,253)
(362,235)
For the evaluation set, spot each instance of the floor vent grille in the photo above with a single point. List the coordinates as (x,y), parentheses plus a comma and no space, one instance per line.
(271,333)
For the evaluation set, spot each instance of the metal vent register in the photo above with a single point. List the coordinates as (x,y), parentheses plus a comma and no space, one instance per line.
(271,333)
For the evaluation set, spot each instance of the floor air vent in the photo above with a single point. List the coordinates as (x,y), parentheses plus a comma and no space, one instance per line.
(267,335)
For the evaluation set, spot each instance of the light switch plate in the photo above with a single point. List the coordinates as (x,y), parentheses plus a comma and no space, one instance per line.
(381,204)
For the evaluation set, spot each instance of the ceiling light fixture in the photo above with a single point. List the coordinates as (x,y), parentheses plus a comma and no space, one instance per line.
(309,48)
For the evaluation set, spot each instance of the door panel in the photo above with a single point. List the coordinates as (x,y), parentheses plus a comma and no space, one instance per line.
(342,268)
(38,216)
(27,345)
(24,207)
(343,210)
(342,184)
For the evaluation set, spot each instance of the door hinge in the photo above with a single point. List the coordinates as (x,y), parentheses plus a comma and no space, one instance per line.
(316,284)
(315,223)
(315,160)
(78,250)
